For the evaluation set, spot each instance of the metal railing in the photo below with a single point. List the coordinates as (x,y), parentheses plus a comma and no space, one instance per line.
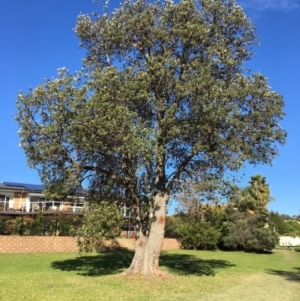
(20,205)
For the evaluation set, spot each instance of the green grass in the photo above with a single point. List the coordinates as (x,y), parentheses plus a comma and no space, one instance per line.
(196,275)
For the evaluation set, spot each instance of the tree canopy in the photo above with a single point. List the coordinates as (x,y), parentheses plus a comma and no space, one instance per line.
(163,98)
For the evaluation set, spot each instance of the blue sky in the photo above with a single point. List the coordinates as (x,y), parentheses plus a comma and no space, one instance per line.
(37,38)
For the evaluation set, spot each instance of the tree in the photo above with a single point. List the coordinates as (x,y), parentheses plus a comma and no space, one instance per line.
(247,231)
(242,199)
(277,223)
(103,222)
(254,197)
(164,97)
(260,191)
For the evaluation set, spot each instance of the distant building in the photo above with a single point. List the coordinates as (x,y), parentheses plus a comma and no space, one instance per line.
(21,197)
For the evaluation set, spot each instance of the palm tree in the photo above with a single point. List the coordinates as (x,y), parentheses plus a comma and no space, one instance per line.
(260,190)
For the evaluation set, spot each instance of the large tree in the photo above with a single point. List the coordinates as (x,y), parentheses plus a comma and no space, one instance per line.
(164,99)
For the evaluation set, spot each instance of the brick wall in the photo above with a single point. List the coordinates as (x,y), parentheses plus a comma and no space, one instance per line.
(37,244)
(52,244)
(169,243)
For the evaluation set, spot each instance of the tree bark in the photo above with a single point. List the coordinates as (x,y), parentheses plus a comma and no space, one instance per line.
(136,265)
(147,249)
(156,238)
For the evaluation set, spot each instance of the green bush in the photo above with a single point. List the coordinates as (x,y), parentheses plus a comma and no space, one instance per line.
(63,225)
(247,232)
(37,226)
(197,236)
(170,227)
(292,228)
(103,222)
(261,240)
(235,234)
(2,226)
(277,222)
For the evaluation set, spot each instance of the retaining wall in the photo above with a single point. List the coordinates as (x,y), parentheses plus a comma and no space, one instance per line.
(53,244)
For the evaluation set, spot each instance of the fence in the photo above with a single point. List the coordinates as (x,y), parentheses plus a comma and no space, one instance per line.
(53,244)
(45,205)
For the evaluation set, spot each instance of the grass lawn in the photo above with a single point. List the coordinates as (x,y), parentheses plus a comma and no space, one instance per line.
(196,275)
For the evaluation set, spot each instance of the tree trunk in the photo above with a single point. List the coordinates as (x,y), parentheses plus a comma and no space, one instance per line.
(156,238)
(147,249)
(138,259)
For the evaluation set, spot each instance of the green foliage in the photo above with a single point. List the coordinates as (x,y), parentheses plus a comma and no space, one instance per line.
(103,222)
(242,224)
(63,225)
(243,200)
(235,234)
(17,226)
(197,236)
(262,239)
(2,226)
(292,228)
(163,96)
(259,190)
(277,222)
(170,226)
(249,232)
(37,226)
(254,197)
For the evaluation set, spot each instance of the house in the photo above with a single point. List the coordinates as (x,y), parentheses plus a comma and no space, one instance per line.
(20,199)
(25,198)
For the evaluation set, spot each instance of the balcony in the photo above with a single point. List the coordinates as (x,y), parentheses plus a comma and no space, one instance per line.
(22,207)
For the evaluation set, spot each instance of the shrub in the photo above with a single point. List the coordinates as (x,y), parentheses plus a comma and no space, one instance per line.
(103,222)
(246,232)
(2,226)
(37,226)
(170,227)
(197,236)
(261,240)
(277,221)
(292,228)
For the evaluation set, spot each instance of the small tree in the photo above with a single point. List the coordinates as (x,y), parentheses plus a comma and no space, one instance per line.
(103,222)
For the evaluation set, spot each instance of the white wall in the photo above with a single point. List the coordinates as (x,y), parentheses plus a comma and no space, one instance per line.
(289,241)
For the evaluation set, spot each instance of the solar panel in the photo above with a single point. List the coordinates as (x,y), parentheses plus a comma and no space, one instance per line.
(31,187)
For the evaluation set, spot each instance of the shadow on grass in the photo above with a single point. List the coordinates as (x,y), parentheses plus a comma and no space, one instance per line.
(105,263)
(288,275)
(116,261)
(186,264)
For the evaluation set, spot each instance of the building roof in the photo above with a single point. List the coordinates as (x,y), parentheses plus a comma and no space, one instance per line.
(22,186)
